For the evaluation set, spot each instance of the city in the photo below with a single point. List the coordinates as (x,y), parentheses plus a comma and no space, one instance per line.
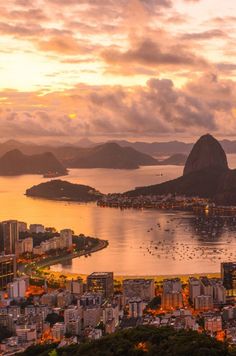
(118,178)
(87,309)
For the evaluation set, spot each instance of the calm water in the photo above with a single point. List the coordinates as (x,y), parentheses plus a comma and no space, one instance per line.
(145,242)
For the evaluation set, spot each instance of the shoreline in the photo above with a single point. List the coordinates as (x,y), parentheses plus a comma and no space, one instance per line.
(157,278)
(100,246)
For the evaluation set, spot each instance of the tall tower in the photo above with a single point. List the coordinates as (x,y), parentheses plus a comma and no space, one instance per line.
(10,233)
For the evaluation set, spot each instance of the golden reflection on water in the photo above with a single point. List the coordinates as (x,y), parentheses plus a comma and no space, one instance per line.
(130,242)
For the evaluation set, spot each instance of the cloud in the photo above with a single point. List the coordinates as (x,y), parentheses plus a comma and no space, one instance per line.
(150,53)
(204,104)
(205,35)
(63,45)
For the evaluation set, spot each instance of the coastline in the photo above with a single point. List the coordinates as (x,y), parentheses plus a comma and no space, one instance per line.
(100,246)
(157,278)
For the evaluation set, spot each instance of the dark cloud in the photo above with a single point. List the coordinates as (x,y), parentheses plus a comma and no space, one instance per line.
(205,35)
(150,53)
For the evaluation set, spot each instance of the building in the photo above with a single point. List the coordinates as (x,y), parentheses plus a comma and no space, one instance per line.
(213,324)
(58,331)
(36,228)
(75,286)
(206,286)
(219,291)
(229,313)
(136,307)
(17,288)
(66,236)
(92,316)
(22,226)
(26,333)
(10,235)
(171,300)
(194,288)
(109,312)
(7,270)
(101,282)
(172,285)
(203,302)
(28,245)
(90,299)
(228,275)
(138,288)
(72,320)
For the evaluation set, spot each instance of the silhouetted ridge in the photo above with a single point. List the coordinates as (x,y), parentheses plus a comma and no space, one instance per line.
(206,153)
(15,162)
(110,155)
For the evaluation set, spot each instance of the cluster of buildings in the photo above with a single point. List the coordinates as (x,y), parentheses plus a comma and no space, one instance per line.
(64,241)
(12,243)
(153,202)
(93,308)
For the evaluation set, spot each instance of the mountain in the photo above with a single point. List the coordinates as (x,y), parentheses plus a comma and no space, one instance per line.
(206,174)
(177,159)
(206,153)
(110,155)
(15,163)
(158,148)
(62,190)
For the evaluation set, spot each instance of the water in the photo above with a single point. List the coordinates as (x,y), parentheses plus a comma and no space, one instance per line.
(137,245)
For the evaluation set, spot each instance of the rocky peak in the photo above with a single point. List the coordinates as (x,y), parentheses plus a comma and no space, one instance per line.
(206,153)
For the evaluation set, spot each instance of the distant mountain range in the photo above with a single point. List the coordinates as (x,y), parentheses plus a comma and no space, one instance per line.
(15,162)
(206,174)
(62,151)
(24,158)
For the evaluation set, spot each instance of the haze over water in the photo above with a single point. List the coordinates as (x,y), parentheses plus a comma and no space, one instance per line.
(141,242)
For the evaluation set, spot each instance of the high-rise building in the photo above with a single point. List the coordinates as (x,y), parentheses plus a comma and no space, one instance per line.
(228,275)
(10,235)
(17,288)
(206,286)
(172,300)
(172,285)
(22,226)
(101,282)
(75,286)
(136,307)
(66,235)
(194,288)
(203,302)
(36,228)
(7,269)
(138,288)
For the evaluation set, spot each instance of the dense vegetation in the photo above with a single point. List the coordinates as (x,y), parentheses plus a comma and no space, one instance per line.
(62,190)
(143,340)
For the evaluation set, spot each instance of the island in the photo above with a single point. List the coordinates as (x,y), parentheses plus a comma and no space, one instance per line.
(62,190)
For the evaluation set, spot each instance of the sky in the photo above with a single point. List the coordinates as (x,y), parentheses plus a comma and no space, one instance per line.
(131,69)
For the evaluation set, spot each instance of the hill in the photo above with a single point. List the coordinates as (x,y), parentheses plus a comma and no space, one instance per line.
(62,190)
(177,159)
(206,153)
(15,163)
(110,155)
(141,341)
(206,174)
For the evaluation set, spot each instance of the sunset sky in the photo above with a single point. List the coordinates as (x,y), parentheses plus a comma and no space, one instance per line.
(137,69)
